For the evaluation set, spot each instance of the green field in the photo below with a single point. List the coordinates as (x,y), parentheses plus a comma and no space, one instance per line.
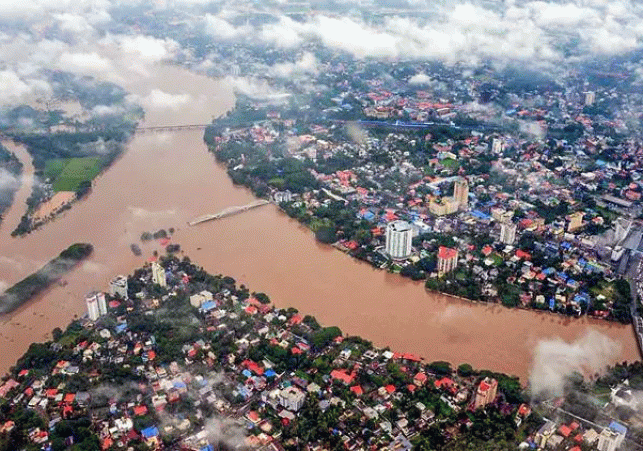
(66,174)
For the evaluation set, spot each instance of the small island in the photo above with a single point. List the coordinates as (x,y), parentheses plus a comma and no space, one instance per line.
(42,279)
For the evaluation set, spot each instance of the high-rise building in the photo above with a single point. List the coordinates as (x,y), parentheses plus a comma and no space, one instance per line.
(611,438)
(486,392)
(447,259)
(497,145)
(507,233)
(399,237)
(158,274)
(97,298)
(590,98)
(443,206)
(461,193)
(118,287)
(292,398)
(93,311)
(575,221)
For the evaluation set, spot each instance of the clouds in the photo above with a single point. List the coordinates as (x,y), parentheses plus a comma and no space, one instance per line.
(420,79)
(158,99)
(464,31)
(17,89)
(148,48)
(84,63)
(555,360)
(255,88)
(221,28)
(307,64)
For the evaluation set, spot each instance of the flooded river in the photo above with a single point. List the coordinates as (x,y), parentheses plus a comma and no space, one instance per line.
(165,179)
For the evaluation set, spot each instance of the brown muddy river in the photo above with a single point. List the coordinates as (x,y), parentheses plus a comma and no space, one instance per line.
(165,179)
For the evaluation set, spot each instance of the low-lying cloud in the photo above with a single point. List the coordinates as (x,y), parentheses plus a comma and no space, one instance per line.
(307,64)
(463,31)
(555,360)
(158,99)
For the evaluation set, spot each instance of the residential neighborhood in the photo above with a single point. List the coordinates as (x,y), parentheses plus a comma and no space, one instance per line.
(202,364)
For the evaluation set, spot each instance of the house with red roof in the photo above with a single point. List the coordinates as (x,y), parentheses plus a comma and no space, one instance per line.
(523,255)
(343,376)
(357,390)
(564,430)
(140,410)
(420,379)
(445,382)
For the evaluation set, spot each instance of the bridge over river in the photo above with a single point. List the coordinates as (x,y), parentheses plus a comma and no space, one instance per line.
(229,212)
(170,128)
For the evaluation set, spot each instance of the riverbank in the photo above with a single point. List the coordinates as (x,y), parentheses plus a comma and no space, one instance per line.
(263,248)
(29,287)
(384,267)
(197,326)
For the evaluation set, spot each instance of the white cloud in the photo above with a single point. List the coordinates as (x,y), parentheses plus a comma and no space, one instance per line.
(158,99)
(16,89)
(221,28)
(420,79)
(555,360)
(307,64)
(255,88)
(73,23)
(84,63)
(148,48)
(285,33)
(465,31)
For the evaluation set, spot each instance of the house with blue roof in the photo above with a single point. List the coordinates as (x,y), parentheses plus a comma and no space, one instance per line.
(207,306)
(618,428)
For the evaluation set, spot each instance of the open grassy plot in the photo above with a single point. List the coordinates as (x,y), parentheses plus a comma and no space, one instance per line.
(67,174)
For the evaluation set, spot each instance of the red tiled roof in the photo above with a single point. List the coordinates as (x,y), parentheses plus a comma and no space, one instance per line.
(51,392)
(446,253)
(342,375)
(357,390)
(444,382)
(522,254)
(421,377)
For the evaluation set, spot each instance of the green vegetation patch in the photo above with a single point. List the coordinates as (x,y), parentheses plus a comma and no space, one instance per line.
(67,174)
(42,279)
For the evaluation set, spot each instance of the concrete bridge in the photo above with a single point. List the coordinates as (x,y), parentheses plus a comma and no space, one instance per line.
(228,212)
(170,128)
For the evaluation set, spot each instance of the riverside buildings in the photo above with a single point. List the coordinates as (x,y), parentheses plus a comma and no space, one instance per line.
(118,287)
(447,259)
(158,274)
(96,305)
(507,233)
(399,235)
(486,392)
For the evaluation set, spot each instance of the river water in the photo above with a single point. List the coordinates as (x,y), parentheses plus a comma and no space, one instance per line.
(165,179)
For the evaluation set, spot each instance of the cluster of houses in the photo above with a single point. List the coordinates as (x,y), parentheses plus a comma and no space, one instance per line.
(250,369)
